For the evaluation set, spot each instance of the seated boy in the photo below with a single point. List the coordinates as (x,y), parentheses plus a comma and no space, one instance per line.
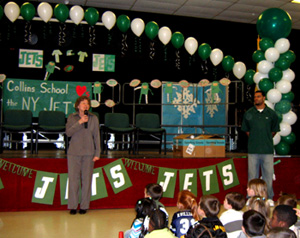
(232,219)
(253,224)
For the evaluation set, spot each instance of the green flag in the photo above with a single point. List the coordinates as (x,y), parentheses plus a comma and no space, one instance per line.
(64,188)
(228,174)
(209,180)
(44,187)
(1,184)
(167,179)
(98,185)
(188,180)
(117,176)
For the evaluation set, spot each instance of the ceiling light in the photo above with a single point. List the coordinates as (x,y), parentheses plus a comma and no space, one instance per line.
(295,1)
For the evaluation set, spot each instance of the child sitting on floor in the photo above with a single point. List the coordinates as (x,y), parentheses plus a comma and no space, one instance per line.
(232,219)
(143,208)
(208,210)
(258,187)
(187,214)
(253,224)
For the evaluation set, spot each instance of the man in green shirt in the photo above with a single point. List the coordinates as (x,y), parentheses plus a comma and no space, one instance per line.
(260,124)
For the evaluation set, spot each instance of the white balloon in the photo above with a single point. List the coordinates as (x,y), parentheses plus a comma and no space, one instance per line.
(191,45)
(283,86)
(216,56)
(282,45)
(285,129)
(239,69)
(259,76)
(274,96)
(165,35)
(264,66)
(76,14)
(289,118)
(109,19)
(269,104)
(45,11)
(288,75)
(272,54)
(12,11)
(137,26)
(276,139)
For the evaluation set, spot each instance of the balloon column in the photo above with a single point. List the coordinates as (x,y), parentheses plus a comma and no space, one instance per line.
(274,75)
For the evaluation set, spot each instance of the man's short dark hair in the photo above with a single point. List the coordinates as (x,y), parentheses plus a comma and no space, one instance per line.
(286,214)
(262,92)
(154,190)
(254,223)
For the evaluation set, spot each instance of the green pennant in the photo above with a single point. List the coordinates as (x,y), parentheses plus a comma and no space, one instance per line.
(63,181)
(167,179)
(44,187)
(117,176)
(188,180)
(209,180)
(1,184)
(98,185)
(228,174)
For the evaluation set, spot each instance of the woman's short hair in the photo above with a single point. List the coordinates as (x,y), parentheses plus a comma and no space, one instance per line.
(80,99)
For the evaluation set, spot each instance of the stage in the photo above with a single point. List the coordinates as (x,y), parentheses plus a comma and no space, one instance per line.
(20,174)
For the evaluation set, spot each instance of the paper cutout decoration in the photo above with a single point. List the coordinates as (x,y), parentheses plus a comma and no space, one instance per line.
(209,180)
(50,67)
(82,56)
(134,82)
(97,90)
(98,185)
(2,77)
(94,103)
(155,83)
(188,180)
(167,179)
(144,91)
(111,82)
(169,91)
(203,83)
(228,174)
(215,90)
(68,68)
(56,54)
(110,103)
(184,84)
(80,90)
(225,81)
(70,53)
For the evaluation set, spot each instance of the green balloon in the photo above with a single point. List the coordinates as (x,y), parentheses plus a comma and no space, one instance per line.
(275,74)
(61,12)
(265,85)
(290,139)
(249,76)
(289,55)
(228,63)
(283,106)
(204,51)
(279,115)
(282,148)
(151,29)
(266,43)
(1,12)
(27,11)
(274,23)
(258,56)
(91,15)
(123,23)
(282,63)
(177,39)
(288,96)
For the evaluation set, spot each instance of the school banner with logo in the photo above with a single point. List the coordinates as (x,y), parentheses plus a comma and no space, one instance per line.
(119,180)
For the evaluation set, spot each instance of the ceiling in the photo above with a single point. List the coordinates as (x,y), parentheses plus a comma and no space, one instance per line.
(244,11)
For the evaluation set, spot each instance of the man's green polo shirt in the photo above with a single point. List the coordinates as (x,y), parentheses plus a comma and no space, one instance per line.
(260,126)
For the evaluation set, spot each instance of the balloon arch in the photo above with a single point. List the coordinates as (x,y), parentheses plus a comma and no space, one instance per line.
(273,74)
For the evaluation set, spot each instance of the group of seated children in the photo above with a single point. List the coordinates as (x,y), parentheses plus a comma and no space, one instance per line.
(200,220)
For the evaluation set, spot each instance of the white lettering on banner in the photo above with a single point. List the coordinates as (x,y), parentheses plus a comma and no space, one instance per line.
(207,174)
(22,87)
(227,173)
(40,192)
(26,104)
(67,190)
(115,175)
(165,184)
(30,58)
(94,183)
(187,183)
(54,90)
